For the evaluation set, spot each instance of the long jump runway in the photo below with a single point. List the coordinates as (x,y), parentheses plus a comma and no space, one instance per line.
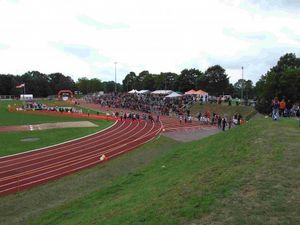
(25,170)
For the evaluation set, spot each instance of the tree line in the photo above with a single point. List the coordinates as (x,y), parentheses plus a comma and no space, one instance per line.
(282,80)
(36,83)
(214,80)
(44,85)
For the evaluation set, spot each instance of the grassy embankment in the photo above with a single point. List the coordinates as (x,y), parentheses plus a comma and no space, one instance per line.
(223,109)
(248,175)
(11,143)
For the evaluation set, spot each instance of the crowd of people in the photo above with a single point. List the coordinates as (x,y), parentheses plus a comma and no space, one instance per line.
(215,119)
(157,104)
(35,106)
(284,108)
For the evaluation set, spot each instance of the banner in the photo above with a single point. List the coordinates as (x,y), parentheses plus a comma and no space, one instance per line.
(20,86)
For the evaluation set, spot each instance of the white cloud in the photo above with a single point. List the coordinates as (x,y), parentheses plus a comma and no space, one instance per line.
(85,38)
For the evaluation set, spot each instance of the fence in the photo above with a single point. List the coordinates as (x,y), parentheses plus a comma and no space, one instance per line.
(7,97)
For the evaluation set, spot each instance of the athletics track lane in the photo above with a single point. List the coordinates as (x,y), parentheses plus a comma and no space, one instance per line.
(22,171)
(170,123)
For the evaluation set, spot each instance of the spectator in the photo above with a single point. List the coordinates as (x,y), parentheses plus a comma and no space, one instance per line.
(289,107)
(275,111)
(282,106)
(224,122)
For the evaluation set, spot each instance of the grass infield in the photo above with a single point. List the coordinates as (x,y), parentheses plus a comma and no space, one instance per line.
(10,143)
(248,175)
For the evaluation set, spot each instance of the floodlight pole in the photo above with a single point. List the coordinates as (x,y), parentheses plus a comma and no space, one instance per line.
(115,77)
(242,89)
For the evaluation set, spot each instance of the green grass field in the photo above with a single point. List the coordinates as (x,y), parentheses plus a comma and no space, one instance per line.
(248,175)
(223,109)
(18,118)
(11,143)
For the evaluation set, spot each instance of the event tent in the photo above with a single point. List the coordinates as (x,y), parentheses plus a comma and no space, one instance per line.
(161,92)
(190,92)
(201,92)
(133,91)
(173,95)
(143,92)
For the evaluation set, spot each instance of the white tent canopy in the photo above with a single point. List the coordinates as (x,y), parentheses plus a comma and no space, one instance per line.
(173,95)
(143,92)
(133,91)
(161,92)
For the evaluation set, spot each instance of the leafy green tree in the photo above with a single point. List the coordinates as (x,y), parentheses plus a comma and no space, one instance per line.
(160,82)
(58,82)
(83,85)
(282,81)
(149,82)
(167,81)
(37,83)
(130,82)
(141,79)
(187,79)
(109,86)
(7,84)
(248,89)
(287,61)
(95,85)
(217,81)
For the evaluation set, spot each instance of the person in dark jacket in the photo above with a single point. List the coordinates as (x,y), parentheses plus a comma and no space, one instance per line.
(224,122)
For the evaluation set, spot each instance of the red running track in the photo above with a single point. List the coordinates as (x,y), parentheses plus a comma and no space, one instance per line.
(25,170)
(169,123)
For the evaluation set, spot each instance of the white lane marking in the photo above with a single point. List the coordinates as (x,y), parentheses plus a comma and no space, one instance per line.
(83,159)
(48,156)
(51,146)
(72,152)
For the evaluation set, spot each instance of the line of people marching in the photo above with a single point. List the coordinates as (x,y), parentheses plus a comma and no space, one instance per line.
(203,118)
(214,119)
(133,116)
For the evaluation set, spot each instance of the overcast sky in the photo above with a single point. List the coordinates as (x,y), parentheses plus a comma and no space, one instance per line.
(85,38)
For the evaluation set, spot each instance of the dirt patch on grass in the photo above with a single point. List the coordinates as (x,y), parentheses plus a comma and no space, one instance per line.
(46,126)
(30,139)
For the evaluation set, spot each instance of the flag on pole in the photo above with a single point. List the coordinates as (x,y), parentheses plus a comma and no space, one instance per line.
(20,86)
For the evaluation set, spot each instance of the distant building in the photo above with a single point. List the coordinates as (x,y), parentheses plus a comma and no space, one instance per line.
(26,97)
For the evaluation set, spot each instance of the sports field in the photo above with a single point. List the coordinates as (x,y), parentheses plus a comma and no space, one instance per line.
(11,142)
(248,175)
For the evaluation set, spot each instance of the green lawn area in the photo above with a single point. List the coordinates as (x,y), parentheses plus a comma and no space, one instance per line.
(18,118)
(248,175)
(11,143)
(224,109)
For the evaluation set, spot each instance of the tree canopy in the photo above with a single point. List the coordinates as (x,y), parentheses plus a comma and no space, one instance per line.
(282,81)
